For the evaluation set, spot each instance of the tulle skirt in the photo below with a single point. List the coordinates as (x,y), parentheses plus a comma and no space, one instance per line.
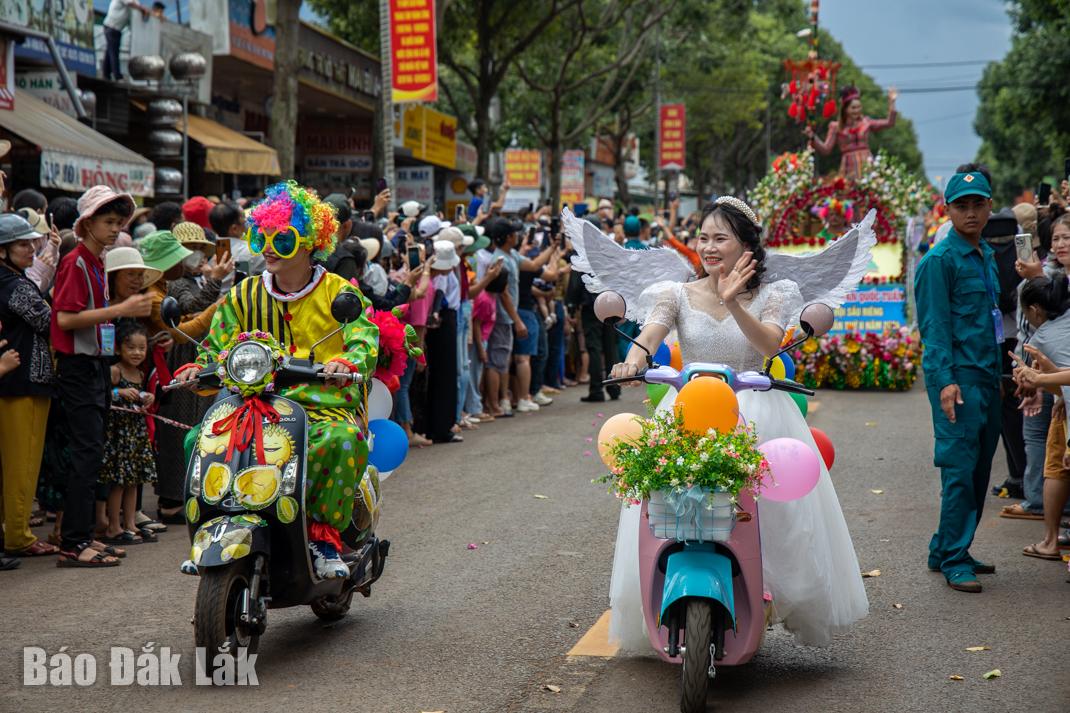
(808,560)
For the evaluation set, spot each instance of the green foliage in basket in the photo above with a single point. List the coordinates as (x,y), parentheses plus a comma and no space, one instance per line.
(669,457)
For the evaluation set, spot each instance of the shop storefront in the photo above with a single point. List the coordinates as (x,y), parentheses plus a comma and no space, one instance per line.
(338,86)
(55,152)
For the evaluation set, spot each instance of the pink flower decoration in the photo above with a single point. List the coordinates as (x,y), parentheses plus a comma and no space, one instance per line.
(586,454)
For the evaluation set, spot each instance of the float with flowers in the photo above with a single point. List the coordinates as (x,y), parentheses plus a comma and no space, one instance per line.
(871,344)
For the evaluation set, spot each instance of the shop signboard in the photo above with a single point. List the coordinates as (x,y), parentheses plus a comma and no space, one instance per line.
(68,22)
(415,183)
(430,135)
(76,173)
(47,87)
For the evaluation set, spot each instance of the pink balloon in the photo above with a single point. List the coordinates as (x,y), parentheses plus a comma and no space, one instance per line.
(794,469)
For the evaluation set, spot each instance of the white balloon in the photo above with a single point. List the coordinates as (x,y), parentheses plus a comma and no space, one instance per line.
(384,475)
(380,401)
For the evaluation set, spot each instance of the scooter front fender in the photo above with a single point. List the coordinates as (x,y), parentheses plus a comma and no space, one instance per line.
(224,539)
(698,571)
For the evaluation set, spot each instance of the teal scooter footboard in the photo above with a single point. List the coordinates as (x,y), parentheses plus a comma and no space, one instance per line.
(698,571)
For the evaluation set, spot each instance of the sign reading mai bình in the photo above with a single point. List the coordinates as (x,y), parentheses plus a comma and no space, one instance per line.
(413,63)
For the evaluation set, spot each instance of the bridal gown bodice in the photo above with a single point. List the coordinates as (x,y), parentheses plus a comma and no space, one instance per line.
(705,338)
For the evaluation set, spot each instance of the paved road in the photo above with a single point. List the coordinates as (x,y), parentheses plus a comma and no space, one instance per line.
(472,631)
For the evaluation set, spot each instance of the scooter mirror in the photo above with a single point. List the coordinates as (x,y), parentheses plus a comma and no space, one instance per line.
(170,312)
(609,307)
(816,319)
(346,307)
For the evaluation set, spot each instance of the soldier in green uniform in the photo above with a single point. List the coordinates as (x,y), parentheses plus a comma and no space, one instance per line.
(957,292)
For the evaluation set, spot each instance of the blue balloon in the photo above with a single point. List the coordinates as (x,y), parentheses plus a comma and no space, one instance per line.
(390,445)
(789,366)
(663,355)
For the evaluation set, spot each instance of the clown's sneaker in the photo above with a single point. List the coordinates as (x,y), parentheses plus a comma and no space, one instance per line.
(326,560)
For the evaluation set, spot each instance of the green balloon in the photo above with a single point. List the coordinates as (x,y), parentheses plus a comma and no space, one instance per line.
(800,401)
(656,392)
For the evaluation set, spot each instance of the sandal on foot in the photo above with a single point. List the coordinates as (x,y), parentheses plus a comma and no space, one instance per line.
(1017,512)
(144,522)
(108,549)
(147,535)
(37,520)
(73,558)
(124,539)
(1032,551)
(37,549)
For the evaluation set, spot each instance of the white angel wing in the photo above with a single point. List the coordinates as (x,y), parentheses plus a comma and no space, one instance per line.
(607,266)
(829,275)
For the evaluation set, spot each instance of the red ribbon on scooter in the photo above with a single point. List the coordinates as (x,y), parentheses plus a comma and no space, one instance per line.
(245,425)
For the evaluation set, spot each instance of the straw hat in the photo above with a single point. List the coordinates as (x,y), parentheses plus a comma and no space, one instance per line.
(130,259)
(192,235)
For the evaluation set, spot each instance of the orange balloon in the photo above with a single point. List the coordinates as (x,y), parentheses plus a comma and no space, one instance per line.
(626,426)
(706,403)
(676,361)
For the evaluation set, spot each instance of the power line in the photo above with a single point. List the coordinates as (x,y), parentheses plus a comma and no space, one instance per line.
(908,65)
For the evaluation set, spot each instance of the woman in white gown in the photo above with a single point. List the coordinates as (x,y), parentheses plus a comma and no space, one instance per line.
(730,316)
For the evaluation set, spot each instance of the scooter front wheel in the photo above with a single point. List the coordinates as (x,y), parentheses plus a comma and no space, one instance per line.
(695,678)
(217,614)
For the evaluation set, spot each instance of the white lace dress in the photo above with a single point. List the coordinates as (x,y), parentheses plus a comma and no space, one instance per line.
(808,559)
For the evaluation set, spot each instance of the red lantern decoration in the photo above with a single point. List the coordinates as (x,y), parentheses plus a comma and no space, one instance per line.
(793,111)
(830,109)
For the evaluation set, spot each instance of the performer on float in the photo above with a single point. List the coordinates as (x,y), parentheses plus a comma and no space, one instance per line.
(737,314)
(851,132)
(836,216)
(291,301)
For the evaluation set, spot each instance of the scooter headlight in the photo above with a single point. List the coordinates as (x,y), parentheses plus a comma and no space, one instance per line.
(249,362)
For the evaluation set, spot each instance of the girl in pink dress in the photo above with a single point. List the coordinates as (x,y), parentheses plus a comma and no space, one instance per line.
(851,132)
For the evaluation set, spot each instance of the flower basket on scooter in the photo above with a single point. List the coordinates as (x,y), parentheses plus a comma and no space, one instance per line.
(691,515)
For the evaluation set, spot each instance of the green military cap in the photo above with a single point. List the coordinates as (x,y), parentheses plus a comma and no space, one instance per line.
(967,184)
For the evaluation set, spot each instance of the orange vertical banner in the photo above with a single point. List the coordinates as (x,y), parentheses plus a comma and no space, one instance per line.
(413,59)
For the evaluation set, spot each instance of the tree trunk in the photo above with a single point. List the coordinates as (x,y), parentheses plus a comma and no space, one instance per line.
(555,174)
(619,174)
(483,135)
(284,103)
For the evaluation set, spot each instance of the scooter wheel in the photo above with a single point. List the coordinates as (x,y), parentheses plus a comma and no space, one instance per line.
(216,617)
(695,678)
(332,609)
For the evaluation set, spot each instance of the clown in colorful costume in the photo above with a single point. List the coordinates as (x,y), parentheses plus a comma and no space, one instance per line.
(291,301)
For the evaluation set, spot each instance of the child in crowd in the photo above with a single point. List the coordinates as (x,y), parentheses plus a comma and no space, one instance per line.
(128,458)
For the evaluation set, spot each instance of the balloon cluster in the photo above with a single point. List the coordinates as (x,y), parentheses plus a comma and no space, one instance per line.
(388,443)
(709,404)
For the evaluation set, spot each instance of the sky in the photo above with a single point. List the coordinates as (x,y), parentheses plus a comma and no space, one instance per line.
(878,32)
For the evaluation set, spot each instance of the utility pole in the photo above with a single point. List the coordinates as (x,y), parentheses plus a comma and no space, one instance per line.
(657,111)
(387,105)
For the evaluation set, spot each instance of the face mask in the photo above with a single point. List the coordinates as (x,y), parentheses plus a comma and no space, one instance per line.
(193,261)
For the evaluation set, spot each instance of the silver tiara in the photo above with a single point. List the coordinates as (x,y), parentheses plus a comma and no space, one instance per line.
(740,206)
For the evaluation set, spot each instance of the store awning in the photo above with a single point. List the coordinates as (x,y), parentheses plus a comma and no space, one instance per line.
(231,152)
(74,156)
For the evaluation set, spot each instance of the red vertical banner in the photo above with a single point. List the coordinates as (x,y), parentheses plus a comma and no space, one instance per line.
(672,130)
(413,61)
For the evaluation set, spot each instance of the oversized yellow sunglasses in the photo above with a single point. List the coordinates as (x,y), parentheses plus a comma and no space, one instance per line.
(285,243)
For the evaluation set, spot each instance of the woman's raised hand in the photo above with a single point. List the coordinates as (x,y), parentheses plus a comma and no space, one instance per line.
(624,370)
(732,284)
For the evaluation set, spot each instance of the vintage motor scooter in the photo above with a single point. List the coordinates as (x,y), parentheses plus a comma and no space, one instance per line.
(246,515)
(700,568)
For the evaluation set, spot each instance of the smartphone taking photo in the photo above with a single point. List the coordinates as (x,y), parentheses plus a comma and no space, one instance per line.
(1023,246)
(1044,194)
(414,257)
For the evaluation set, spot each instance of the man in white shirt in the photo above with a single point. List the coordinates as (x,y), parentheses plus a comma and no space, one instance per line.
(117,19)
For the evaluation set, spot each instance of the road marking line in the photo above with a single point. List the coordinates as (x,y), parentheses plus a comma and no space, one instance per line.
(596,641)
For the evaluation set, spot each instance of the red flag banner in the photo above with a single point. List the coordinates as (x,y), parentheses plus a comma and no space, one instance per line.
(523,168)
(413,62)
(672,128)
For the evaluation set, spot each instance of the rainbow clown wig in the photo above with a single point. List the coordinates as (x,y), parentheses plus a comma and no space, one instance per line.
(287,205)
(835,205)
